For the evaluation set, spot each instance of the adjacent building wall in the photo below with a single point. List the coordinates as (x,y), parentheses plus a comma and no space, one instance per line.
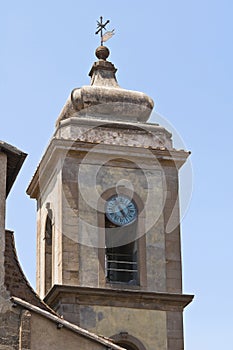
(3,168)
(9,318)
(39,333)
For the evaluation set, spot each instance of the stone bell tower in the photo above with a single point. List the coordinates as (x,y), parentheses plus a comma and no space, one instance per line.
(108,233)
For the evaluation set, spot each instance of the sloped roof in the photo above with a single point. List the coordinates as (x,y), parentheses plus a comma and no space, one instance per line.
(15,159)
(63,323)
(15,281)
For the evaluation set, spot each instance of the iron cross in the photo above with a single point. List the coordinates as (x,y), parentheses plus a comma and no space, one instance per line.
(100,27)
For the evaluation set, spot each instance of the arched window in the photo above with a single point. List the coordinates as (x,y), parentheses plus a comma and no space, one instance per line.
(48,251)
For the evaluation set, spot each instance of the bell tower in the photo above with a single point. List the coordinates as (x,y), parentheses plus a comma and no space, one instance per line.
(108,232)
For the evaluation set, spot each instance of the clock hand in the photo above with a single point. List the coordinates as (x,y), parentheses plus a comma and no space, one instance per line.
(124,212)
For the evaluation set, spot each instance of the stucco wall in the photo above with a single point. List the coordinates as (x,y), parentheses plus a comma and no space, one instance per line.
(148,326)
(46,335)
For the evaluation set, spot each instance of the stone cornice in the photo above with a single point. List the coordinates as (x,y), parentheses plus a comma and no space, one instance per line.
(63,146)
(139,299)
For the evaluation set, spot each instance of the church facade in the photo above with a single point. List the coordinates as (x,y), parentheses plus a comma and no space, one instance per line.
(108,232)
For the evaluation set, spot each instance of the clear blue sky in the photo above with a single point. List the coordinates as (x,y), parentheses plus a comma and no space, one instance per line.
(180,53)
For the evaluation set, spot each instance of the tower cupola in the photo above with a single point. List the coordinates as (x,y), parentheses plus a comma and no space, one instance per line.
(104,98)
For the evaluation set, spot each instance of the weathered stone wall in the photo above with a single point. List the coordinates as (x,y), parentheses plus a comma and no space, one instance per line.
(163,329)
(158,185)
(49,202)
(9,327)
(81,222)
(70,246)
(154,319)
(175,338)
(9,318)
(73,183)
(127,134)
(172,232)
(92,171)
(25,331)
(148,326)
(3,167)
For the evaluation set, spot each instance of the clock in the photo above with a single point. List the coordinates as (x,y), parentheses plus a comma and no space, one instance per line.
(121,210)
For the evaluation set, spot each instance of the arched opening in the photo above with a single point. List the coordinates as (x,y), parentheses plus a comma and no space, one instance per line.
(127,346)
(127,341)
(121,253)
(48,251)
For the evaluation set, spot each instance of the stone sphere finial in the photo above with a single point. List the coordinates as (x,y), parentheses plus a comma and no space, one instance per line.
(102,53)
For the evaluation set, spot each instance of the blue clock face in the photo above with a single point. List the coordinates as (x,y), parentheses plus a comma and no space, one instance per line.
(121,210)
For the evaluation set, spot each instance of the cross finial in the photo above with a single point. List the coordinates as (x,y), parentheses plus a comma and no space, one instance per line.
(100,27)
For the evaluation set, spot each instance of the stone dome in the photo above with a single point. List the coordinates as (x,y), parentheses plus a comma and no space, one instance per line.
(104,98)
